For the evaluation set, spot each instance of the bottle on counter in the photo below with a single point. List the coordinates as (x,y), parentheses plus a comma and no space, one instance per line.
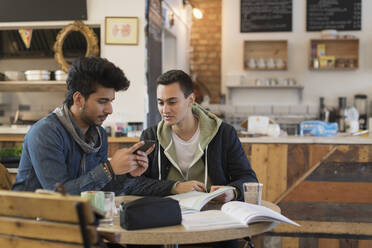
(323,111)
(341,114)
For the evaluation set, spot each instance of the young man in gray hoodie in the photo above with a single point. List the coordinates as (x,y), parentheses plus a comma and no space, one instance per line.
(69,146)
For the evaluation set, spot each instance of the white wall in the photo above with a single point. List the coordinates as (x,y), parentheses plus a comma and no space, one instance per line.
(180,31)
(330,84)
(128,105)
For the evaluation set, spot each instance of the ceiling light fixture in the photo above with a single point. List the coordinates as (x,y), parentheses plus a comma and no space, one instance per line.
(197,13)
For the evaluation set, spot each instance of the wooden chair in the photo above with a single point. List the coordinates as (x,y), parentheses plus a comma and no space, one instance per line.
(5,182)
(32,220)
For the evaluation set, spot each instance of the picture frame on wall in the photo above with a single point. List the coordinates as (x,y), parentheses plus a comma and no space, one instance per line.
(121,30)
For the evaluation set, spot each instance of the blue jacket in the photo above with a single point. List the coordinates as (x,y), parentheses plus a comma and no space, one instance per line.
(50,156)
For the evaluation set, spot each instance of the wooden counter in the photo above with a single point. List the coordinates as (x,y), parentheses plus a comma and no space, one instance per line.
(326,187)
(325,184)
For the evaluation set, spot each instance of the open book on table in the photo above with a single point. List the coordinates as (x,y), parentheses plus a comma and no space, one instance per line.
(232,214)
(194,201)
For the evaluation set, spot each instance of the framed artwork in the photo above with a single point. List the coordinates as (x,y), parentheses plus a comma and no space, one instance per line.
(121,30)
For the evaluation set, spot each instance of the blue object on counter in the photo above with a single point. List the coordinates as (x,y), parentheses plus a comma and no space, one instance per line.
(318,128)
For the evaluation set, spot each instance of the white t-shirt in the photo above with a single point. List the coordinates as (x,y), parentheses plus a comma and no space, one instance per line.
(185,150)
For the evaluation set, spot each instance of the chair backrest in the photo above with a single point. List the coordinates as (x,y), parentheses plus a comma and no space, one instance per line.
(40,220)
(5,182)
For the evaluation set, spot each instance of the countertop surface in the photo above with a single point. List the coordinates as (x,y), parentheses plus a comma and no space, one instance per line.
(310,140)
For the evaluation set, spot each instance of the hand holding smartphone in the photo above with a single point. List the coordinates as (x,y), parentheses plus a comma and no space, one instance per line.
(146,146)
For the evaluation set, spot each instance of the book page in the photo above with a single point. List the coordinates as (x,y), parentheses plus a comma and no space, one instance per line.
(196,200)
(212,219)
(250,213)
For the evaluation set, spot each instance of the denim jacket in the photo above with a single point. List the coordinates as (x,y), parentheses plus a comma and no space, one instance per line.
(50,156)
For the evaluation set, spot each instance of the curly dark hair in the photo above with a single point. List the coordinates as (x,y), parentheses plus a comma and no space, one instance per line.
(177,76)
(86,73)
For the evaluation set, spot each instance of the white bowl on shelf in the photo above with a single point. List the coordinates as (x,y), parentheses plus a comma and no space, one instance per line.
(60,75)
(14,75)
(42,75)
(329,34)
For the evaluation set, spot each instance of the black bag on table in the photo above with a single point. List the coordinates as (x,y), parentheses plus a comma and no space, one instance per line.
(149,212)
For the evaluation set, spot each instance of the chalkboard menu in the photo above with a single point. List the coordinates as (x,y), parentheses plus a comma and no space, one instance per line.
(265,15)
(333,14)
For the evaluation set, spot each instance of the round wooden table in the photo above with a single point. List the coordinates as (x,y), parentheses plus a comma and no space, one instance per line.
(178,234)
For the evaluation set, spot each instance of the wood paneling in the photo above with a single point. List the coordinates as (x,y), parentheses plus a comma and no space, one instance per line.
(352,153)
(326,228)
(305,175)
(308,242)
(348,243)
(330,212)
(270,164)
(343,172)
(331,192)
(298,162)
(328,243)
(364,243)
(289,242)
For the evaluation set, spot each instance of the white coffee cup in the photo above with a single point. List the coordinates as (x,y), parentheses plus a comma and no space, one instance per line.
(261,63)
(270,63)
(279,63)
(251,63)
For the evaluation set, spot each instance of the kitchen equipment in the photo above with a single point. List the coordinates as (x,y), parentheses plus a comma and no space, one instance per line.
(60,75)
(14,75)
(37,75)
(361,104)
(341,114)
(323,111)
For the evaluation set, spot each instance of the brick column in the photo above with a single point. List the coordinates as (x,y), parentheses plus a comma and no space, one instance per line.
(205,59)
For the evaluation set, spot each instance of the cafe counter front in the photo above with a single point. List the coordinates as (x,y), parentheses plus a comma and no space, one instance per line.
(324,184)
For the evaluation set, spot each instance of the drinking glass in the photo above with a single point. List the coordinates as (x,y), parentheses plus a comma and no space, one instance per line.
(253,193)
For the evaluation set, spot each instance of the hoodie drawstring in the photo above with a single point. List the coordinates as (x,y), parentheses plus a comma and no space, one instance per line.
(206,167)
(159,161)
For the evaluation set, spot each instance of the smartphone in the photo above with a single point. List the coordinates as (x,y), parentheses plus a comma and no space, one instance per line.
(146,146)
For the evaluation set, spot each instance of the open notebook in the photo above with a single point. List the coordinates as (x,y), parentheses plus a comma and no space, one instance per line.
(232,214)
(194,201)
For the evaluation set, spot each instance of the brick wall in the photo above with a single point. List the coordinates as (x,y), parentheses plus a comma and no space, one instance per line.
(206,46)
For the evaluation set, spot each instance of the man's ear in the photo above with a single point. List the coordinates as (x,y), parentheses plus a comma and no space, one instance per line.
(79,99)
(191,99)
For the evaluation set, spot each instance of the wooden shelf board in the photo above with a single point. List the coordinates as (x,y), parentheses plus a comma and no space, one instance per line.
(32,86)
(20,137)
(258,69)
(334,69)
(266,87)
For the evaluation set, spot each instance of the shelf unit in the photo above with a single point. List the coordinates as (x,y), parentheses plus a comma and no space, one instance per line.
(265,49)
(32,86)
(345,53)
(298,88)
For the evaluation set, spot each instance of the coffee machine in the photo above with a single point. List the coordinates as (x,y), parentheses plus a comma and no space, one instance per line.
(361,104)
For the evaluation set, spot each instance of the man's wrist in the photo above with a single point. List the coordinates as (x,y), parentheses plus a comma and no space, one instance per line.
(236,194)
(107,171)
(173,190)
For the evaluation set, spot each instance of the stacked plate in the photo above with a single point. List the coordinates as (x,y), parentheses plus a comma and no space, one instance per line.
(37,75)
(60,75)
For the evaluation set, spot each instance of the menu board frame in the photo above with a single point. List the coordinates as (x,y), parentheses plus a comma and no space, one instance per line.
(254,21)
(338,19)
